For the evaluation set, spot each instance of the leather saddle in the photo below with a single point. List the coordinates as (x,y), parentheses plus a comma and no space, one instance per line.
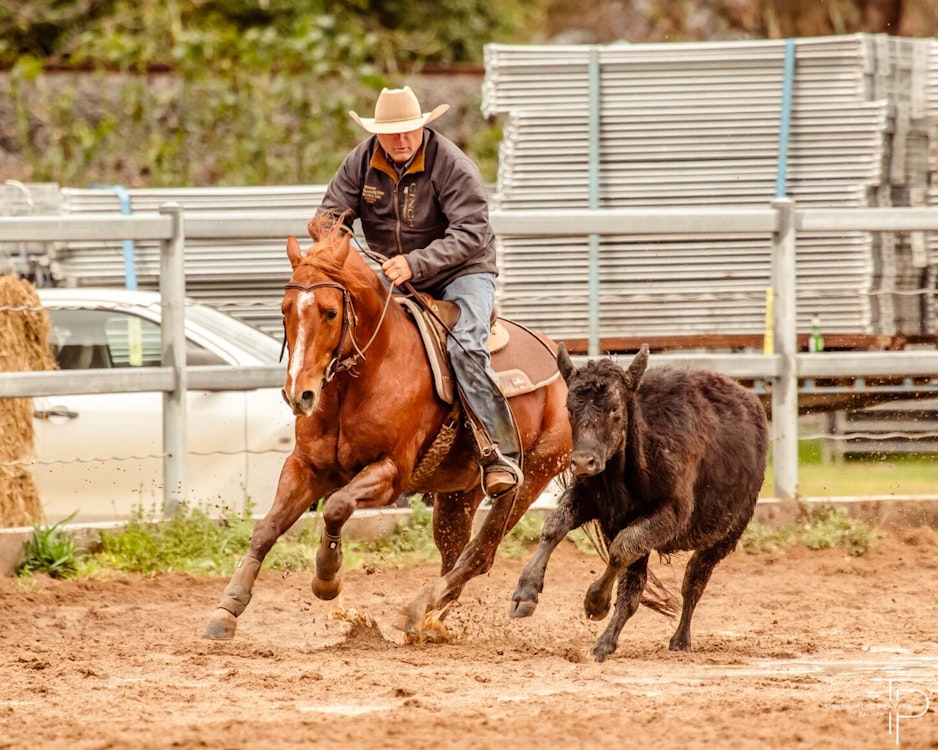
(522,360)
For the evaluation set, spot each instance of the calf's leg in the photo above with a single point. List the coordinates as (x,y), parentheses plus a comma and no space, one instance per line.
(636,540)
(567,516)
(696,576)
(628,597)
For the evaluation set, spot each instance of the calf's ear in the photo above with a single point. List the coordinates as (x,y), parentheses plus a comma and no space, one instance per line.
(637,368)
(564,363)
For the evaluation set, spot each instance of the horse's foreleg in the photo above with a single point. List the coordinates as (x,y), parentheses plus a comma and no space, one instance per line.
(295,494)
(373,485)
(326,582)
(223,622)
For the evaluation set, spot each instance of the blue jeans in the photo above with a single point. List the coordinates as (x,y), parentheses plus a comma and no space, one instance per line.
(472,363)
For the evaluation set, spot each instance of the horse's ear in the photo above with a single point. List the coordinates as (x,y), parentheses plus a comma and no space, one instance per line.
(637,368)
(319,226)
(342,249)
(294,252)
(564,363)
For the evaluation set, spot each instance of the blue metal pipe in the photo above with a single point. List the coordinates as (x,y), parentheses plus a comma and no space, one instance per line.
(130,263)
(594,157)
(788,84)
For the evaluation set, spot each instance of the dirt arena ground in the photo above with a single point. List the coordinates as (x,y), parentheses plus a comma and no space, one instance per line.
(794,649)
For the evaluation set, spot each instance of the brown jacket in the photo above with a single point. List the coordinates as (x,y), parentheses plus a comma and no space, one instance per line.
(436,213)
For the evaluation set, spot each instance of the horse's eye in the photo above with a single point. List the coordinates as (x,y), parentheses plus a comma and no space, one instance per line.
(332,314)
(616,414)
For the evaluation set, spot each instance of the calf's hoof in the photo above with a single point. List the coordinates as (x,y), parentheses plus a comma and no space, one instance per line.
(521,609)
(221,625)
(601,649)
(679,644)
(326,590)
(596,604)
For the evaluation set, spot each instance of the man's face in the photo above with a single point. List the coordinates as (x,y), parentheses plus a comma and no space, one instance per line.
(401,146)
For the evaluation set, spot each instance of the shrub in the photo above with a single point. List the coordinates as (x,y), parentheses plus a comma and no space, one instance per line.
(822,527)
(51,551)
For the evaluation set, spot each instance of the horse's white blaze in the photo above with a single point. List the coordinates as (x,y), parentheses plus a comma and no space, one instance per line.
(303,301)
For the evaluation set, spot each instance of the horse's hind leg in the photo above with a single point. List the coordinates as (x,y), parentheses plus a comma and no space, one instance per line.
(477,556)
(453,516)
(295,492)
(696,576)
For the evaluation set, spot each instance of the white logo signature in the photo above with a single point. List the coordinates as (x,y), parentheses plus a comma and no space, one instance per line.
(905,703)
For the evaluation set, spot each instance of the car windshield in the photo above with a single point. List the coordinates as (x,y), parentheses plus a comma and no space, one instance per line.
(242,335)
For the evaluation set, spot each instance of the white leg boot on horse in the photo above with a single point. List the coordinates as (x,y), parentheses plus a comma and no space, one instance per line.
(222,623)
(327,584)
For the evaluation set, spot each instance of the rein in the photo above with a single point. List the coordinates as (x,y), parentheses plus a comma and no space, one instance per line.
(337,365)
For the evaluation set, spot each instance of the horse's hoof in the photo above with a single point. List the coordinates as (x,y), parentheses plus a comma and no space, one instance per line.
(407,623)
(411,618)
(327,590)
(521,609)
(221,625)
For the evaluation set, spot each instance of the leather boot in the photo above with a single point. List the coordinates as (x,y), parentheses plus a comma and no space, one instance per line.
(501,476)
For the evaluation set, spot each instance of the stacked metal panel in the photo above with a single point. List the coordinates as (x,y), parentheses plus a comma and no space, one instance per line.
(244,278)
(901,78)
(929,277)
(17,198)
(695,125)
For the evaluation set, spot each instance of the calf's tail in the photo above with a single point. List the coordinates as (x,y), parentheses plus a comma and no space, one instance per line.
(659,598)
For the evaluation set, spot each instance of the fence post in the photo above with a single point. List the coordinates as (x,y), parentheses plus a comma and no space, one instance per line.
(173,332)
(785,337)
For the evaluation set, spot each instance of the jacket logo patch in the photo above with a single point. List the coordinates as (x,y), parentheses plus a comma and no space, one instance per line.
(409,201)
(371,194)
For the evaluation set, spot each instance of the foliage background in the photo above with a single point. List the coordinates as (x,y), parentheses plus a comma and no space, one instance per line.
(250,92)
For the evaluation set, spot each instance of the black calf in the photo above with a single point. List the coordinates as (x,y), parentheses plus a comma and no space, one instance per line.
(663,460)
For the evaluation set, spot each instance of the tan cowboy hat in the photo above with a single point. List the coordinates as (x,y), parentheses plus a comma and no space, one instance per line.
(397,111)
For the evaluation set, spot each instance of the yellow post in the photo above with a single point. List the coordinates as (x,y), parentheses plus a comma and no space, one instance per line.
(768,342)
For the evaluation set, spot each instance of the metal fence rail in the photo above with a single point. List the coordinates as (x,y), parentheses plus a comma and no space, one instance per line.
(782,368)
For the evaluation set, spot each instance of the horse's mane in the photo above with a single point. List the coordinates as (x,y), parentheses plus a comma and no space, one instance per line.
(328,233)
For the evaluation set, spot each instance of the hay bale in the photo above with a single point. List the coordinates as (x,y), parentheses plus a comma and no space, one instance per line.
(24,346)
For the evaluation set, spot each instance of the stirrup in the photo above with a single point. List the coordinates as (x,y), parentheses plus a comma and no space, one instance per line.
(511,476)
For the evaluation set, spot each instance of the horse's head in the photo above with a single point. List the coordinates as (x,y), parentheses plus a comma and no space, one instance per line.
(318,316)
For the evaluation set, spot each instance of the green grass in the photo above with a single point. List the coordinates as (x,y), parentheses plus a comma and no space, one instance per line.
(189,541)
(192,541)
(873,475)
(51,551)
(820,527)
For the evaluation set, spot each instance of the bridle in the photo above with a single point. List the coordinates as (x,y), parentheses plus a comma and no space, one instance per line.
(337,365)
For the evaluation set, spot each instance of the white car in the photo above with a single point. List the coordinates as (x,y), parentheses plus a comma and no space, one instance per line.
(100,455)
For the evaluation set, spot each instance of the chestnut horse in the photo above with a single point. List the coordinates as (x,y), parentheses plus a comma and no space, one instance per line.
(366,411)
